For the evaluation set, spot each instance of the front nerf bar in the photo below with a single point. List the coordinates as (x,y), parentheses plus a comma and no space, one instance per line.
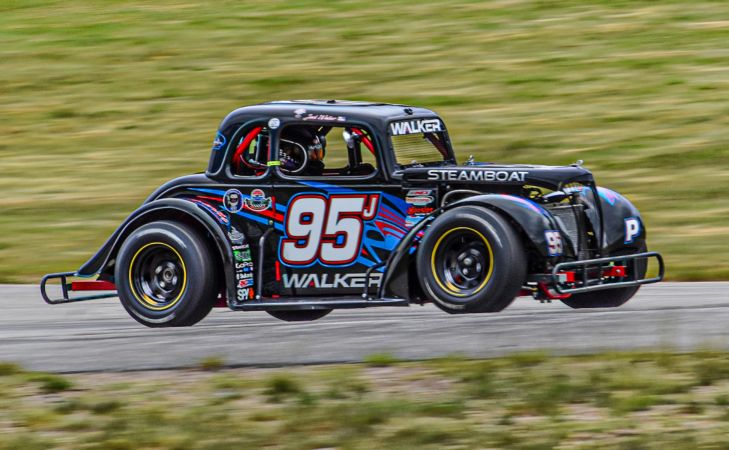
(589,273)
(66,288)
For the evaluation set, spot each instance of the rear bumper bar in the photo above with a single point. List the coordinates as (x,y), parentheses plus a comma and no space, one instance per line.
(589,273)
(67,288)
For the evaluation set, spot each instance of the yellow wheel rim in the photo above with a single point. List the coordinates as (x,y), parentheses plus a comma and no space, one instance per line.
(144,298)
(448,285)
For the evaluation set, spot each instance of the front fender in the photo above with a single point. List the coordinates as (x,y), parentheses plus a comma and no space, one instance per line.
(617,213)
(164,209)
(530,219)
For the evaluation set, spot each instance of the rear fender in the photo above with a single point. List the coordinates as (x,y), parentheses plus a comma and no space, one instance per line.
(530,220)
(196,215)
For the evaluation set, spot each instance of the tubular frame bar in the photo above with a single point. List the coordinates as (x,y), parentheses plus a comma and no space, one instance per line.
(595,283)
(63,276)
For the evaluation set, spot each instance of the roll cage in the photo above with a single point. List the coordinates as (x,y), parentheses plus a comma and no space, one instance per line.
(256,158)
(370,120)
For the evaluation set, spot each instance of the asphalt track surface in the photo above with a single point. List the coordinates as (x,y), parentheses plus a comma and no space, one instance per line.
(100,336)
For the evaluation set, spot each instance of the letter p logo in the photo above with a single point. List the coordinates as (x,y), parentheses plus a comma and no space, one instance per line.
(632,229)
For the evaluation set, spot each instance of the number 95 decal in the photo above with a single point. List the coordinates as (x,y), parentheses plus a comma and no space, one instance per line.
(326,229)
(554,242)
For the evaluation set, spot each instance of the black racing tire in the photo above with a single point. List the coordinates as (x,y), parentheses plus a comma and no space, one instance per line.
(471,261)
(165,275)
(609,298)
(304,315)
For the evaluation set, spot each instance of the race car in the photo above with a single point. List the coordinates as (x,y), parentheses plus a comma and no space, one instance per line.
(309,206)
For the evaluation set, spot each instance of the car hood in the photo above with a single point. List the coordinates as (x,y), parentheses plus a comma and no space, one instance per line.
(552,177)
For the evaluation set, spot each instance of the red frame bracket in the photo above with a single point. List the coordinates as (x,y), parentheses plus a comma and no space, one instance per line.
(96,285)
(615,271)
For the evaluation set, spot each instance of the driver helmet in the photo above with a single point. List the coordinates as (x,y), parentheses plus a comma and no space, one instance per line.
(300,147)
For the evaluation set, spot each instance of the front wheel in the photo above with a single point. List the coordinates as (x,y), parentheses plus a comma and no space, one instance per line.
(470,261)
(165,275)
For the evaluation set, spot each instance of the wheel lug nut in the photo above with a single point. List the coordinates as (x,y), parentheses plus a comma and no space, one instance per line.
(468,261)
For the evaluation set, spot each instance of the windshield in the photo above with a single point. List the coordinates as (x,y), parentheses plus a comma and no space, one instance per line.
(419,142)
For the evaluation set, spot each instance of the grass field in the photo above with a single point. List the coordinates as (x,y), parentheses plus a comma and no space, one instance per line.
(526,401)
(102,101)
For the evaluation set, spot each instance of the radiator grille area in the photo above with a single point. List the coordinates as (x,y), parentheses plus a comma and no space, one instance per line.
(571,218)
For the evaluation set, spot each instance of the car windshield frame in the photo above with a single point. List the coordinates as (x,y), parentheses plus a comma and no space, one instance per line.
(431,125)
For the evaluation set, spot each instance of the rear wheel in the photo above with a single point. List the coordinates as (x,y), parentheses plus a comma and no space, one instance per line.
(165,275)
(610,298)
(471,260)
(306,315)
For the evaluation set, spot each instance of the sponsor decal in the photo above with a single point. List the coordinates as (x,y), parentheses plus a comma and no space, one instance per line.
(235,236)
(501,176)
(243,265)
(419,200)
(419,211)
(219,141)
(327,280)
(554,242)
(418,193)
(232,200)
(420,197)
(274,123)
(325,118)
(242,255)
(299,113)
(258,201)
(245,283)
(416,126)
(632,229)
(245,294)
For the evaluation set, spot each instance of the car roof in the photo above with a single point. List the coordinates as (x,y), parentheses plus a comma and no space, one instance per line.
(351,110)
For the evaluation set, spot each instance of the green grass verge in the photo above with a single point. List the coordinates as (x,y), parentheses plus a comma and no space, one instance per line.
(634,400)
(103,101)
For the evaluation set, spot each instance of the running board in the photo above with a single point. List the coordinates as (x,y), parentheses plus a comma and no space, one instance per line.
(269,304)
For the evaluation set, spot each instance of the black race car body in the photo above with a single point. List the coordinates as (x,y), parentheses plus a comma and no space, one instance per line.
(295,220)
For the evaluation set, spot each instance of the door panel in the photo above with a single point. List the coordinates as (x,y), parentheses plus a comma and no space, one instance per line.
(332,233)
